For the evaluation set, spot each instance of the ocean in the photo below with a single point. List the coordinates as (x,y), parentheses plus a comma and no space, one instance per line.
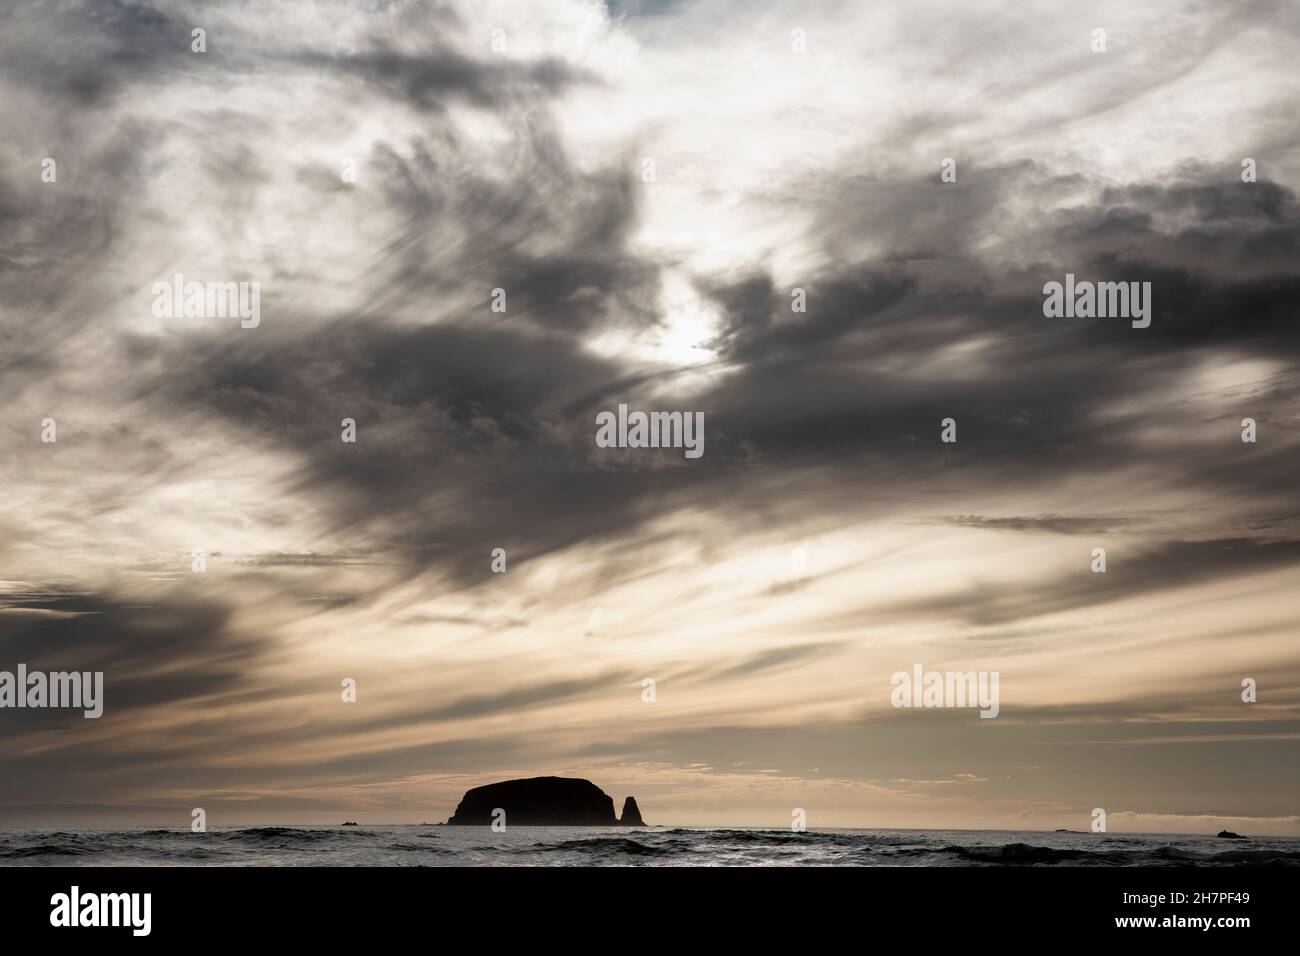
(605,846)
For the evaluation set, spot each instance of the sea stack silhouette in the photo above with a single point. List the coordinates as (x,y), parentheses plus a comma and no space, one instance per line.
(631,814)
(543,802)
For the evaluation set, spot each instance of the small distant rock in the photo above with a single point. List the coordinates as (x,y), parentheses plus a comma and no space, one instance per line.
(1229,835)
(351,823)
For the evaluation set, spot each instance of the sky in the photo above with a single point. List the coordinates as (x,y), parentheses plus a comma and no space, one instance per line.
(648,184)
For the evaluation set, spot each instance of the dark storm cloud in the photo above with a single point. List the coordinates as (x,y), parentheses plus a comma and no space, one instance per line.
(477,392)
(642,8)
(428,80)
(88,51)
(1050,524)
(516,700)
(86,54)
(807,386)
(859,378)
(477,432)
(175,649)
(460,440)
(59,245)
(309,559)
(554,238)
(918,217)
(473,432)
(179,651)
(777,657)
(53,235)
(1145,570)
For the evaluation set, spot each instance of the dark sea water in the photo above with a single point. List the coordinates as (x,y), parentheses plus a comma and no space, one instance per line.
(603,846)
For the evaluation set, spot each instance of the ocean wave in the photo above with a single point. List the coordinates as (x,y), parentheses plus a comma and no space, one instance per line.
(190,853)
(1265,857)
(781,837)
(414,848)
(42,849)
(287,836)
(1017,854)
(350,846)
(608,845)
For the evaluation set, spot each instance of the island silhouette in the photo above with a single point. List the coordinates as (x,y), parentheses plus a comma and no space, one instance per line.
(544,802)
